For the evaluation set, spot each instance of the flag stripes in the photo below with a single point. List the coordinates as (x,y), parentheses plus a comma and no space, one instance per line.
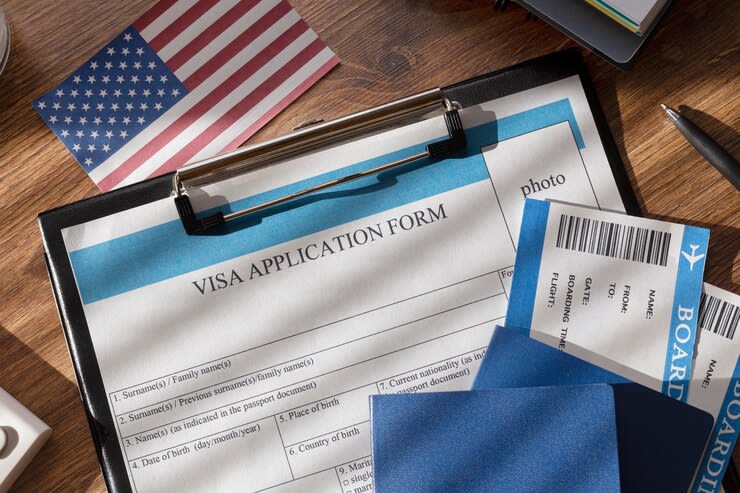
(213,104)
(241,62)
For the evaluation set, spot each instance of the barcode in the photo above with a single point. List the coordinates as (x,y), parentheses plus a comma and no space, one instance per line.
(718,316)
(613,240)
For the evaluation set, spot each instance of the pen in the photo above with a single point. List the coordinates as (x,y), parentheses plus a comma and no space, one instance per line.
(707,147)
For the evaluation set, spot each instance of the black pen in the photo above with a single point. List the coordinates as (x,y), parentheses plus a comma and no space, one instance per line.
(707,147)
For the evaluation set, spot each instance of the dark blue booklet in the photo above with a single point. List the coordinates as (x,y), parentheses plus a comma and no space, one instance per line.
(660,439)
(502,440)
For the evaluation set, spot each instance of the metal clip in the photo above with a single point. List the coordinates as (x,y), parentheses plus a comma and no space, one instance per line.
(306,139)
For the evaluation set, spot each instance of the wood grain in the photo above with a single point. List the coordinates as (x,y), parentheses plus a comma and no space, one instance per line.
(388,49)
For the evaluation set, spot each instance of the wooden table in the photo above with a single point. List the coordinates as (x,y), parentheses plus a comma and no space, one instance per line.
(388,49)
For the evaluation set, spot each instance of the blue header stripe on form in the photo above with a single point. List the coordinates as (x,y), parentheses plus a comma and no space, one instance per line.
(527,265)
(685,313)
(126,263)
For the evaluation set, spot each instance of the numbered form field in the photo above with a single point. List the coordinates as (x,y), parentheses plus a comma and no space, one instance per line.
(308,412)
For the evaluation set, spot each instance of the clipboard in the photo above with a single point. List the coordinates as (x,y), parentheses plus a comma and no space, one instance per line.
(495,85)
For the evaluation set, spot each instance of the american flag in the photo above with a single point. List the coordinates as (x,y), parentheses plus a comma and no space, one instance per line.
(188,80)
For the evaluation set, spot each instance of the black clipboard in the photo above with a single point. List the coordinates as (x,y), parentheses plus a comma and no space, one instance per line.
(487,87)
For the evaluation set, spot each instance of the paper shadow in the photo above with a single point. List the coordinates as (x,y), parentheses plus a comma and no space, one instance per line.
(383,180)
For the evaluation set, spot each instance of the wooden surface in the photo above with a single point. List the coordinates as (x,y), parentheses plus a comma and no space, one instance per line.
(388,49)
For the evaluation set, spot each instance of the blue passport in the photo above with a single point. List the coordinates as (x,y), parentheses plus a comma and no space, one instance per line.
(502,440)
(660,440)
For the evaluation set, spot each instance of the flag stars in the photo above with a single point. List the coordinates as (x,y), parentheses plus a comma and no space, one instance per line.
(93,128)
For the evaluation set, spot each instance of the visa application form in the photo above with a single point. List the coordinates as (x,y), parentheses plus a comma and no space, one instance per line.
(244,361)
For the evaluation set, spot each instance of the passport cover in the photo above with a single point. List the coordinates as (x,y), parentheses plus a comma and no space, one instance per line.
(660,440)
(500,440)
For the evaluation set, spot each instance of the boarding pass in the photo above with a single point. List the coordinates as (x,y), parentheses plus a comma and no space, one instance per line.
(621,292)
(715,383)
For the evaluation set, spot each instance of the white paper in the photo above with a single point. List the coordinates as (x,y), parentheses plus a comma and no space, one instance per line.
(242,376)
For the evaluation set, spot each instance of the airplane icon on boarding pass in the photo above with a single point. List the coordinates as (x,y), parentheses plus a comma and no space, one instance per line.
(693,258)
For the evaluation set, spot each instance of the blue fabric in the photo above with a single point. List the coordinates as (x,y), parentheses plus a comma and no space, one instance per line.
(661,440)
(514,360)
(503,440)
